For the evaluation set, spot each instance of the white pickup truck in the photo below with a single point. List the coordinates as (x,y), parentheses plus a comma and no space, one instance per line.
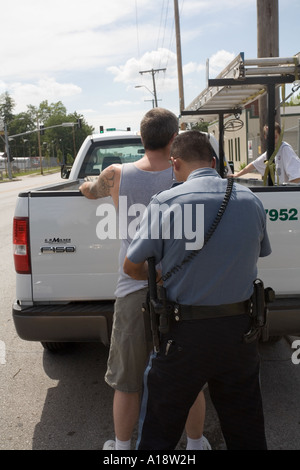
(66,274)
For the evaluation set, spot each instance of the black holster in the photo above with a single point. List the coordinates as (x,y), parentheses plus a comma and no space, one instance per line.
(156,308)
(260,299)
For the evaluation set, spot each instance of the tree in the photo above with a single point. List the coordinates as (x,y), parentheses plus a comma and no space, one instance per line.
(7,105)
(20,124)
(201,126)
(66,139)
(57,142)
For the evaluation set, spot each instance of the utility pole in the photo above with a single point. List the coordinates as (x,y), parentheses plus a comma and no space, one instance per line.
(153,72)
(3,131)
(267,46)
(152,102)
(39,145)
(7,151)
(179,61)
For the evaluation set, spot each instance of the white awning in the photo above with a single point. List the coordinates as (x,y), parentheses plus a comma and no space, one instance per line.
(244,81)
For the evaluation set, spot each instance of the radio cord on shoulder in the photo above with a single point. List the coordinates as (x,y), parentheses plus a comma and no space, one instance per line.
(221,211)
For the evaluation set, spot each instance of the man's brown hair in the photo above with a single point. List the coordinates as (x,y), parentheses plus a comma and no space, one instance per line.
(158,127)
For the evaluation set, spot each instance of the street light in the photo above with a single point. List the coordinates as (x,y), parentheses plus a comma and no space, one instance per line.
(155,98)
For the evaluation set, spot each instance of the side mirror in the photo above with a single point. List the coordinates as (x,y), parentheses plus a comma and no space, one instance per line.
(65,172)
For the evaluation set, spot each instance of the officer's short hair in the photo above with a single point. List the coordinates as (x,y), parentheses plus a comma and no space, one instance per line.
(192,146)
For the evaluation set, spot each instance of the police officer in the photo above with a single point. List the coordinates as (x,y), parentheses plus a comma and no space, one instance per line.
(210,293)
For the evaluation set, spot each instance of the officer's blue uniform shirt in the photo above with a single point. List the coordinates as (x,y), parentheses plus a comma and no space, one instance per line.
(224,270)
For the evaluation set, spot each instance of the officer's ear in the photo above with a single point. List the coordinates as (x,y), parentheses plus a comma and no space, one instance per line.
(173,136)
(176,163)
(214,162)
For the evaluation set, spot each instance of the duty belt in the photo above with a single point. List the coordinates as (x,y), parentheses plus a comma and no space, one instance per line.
(199,312)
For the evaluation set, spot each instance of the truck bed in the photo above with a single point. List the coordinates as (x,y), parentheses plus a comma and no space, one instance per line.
(70,293)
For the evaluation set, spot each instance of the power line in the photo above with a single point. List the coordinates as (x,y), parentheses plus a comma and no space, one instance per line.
(164,30)
(160,23)
(153,72)
(137,29)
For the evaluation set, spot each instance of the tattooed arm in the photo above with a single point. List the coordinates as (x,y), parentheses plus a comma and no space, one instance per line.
(106,185)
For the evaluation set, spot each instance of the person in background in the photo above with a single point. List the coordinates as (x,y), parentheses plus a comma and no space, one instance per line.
(287,163)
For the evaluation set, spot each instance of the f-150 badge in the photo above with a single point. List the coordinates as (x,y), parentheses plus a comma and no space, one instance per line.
(58,249)
(58,245)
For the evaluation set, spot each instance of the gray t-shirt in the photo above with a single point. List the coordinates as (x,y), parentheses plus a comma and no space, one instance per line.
(136,189)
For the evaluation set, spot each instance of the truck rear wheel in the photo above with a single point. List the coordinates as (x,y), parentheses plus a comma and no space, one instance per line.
(54,347)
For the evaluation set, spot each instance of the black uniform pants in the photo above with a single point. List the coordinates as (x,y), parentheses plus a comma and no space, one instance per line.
(193,353)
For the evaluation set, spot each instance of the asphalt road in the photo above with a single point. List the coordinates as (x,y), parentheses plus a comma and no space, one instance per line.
(61,402)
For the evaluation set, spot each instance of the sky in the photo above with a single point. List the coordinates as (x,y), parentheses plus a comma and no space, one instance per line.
(89,55)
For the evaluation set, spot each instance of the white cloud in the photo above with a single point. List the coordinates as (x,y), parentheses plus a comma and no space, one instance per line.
(122,103)
(65,36)
(45,89)
(192,67)
(89,54)
(130,71)
(165,80)
(219,61)
(118,119)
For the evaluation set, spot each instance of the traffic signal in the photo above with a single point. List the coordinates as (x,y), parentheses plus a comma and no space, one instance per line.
(101,130)
(79,123)
(42,129)
(11,159)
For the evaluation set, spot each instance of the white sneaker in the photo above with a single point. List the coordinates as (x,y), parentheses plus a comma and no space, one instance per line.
(206,445)
(109,445)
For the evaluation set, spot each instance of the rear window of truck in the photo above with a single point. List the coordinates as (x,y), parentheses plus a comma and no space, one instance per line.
(104,153)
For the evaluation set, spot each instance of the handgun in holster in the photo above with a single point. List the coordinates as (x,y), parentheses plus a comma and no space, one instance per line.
(155,306)
(260,299)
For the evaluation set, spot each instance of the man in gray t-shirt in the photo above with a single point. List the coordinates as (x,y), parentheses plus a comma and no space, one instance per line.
(129,351)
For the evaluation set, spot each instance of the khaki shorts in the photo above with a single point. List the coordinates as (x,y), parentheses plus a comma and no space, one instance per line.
(129,349)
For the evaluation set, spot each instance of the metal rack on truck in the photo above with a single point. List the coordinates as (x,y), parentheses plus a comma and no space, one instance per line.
(239,84)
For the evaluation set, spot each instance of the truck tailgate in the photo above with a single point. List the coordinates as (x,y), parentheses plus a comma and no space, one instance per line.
(281,270)
(69,262)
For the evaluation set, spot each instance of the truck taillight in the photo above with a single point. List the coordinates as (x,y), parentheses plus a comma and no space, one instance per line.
(21,245)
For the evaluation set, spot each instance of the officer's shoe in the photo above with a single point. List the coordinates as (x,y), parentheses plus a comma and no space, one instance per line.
(205,444)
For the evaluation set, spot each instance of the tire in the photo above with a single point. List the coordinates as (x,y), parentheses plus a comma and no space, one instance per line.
(54,347)
(274,339)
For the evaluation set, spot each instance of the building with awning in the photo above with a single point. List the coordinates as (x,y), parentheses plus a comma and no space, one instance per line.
(229,98)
